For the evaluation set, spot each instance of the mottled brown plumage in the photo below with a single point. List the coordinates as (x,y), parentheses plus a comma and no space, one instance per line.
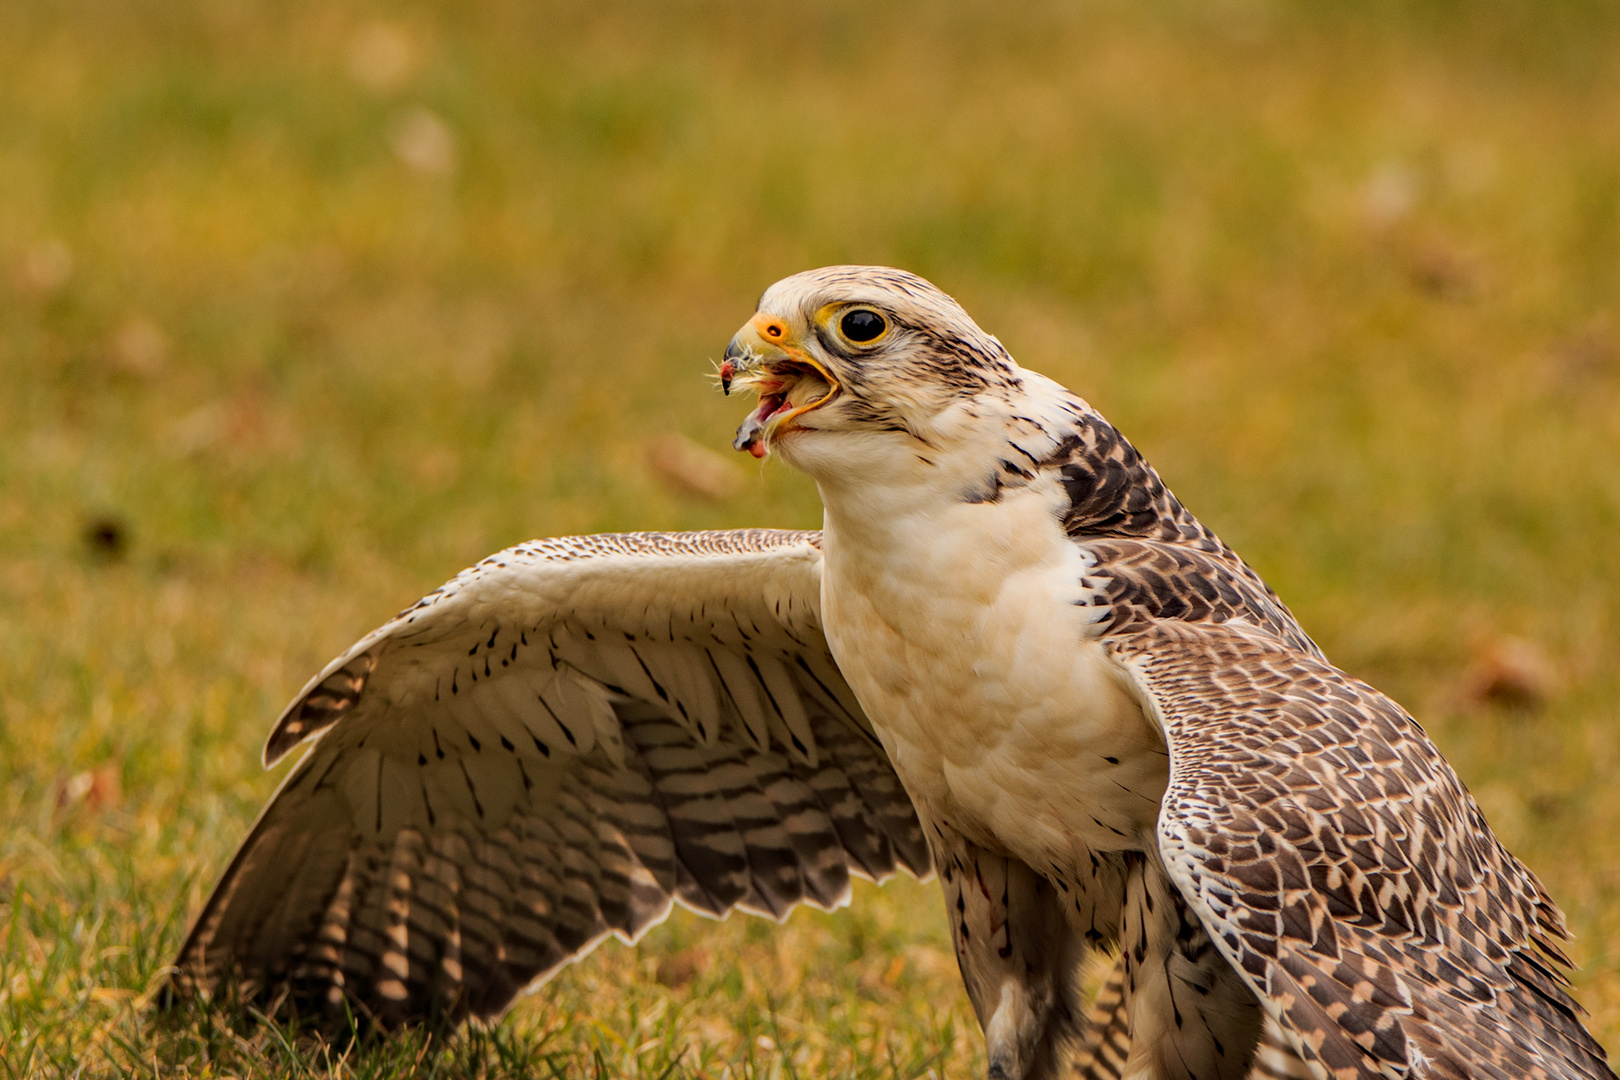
(1331,850)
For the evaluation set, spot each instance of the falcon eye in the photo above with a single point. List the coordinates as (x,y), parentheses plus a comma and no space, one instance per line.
(862,326)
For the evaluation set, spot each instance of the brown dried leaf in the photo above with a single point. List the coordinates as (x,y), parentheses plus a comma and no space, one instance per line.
(94,789)
(1511,671)
(691,467)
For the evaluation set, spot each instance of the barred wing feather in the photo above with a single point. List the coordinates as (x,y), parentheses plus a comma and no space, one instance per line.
(555,746)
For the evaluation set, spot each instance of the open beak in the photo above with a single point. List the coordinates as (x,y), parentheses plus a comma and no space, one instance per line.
(763,357)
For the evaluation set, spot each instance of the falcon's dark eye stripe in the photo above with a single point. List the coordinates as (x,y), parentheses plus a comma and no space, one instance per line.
(862,326)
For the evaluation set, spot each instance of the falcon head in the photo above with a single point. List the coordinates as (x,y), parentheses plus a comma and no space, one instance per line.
(851,354)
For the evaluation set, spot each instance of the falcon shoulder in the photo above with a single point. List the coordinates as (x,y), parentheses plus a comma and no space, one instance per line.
(1343,869)
(555,746)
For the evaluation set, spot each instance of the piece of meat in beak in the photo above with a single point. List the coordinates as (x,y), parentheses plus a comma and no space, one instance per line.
(775,374)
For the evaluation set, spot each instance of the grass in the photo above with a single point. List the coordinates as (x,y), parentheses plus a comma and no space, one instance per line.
(304,306)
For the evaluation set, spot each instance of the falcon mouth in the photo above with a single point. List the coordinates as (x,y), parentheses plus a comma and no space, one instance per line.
(787,388)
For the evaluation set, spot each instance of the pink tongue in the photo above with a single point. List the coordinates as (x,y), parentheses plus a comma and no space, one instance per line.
(750,434)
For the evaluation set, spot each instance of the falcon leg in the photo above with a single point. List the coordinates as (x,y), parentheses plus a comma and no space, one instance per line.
(1191,1016)
(1019,957)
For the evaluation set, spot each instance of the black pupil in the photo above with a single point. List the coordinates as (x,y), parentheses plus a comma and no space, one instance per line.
(862,325)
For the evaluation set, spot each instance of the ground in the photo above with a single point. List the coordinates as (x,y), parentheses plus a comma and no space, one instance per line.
(305,305)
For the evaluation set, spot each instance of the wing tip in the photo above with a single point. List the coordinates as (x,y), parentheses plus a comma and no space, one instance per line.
(324,700)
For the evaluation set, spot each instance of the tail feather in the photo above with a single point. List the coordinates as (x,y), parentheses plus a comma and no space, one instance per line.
(1107,1043)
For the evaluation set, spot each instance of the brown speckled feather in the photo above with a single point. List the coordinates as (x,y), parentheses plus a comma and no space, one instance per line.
(1341,866)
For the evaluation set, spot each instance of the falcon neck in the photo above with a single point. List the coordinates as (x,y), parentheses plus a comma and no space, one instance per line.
(979,487)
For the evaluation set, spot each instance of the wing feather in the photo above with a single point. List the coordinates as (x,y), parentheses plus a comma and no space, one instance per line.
(556,746)
(1342,867)
(744,692)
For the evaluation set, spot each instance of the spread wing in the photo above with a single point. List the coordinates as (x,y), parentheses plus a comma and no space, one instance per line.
(1340,865)
(555,746)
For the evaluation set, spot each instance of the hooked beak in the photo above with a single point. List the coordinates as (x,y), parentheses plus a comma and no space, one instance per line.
(764,357)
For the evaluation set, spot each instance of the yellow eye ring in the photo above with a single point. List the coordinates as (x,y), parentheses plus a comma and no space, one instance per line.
(862,326)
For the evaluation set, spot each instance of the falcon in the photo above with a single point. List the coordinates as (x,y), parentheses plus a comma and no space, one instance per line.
(1010,658)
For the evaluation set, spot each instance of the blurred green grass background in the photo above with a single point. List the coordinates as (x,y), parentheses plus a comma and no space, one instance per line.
(304,306)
